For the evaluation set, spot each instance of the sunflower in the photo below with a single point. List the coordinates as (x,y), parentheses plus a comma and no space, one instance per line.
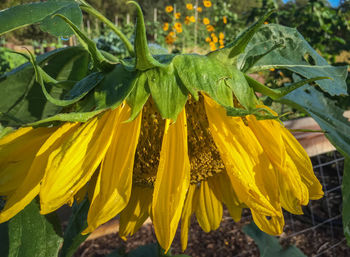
(199,9)
(166,26)
(224,19)
(189,6)
(207,3)
(210,28)
(177,15)
(169,8)
(178,27)
(206,21)
(167,150)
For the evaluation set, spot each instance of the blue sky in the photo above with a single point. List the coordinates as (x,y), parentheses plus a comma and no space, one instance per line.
(334,3)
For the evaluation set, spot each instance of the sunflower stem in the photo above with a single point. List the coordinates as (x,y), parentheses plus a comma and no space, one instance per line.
(89,9)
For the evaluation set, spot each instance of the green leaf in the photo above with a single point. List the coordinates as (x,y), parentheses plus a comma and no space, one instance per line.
(200,73)
(167,91)
(4,239)
(326,114)
(27,14)
(269,245)
(276,93)
(145,251)
(24,102)
(297,56)
(34,235)
(138,96)
(144,59)
(240,87)
(97,57)
(108,94)
(240,43)
(77,223)
(346,199)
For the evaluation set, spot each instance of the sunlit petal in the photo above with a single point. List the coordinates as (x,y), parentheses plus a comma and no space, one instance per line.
(208,208)
(113,187)
(186,216)
(303,165)
(239,149)
(71,165)
(172,181)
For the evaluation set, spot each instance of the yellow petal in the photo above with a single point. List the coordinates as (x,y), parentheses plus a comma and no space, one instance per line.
(303,165)
(71,165)
(268,132)
(222,188)
(186,216)
(293,191)
(136,212)
(113,187)
(208,209)
(240,152)
(172,181)
(17,152)
(270,225)
(30,185)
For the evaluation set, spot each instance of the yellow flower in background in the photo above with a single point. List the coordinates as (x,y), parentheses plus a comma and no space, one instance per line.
(206,21)
(210,28)
(199,9)
(221,35)
(212,46)
(189,6)
(206,3)
(266,22)
(224,19)
(166,26)
(215,39)
(201,161)
(208,39)
(169,8)
(221,46)
(221,42)
(187,20)
(192,19)
(177,15)
(178,27)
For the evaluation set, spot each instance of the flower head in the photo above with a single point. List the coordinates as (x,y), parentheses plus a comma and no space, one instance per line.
(166,26)
(199,9)
(178,27)
(224,19)
(207,3)
(210,28)
(169,8)
(177,15)
(206,21)
(189,6)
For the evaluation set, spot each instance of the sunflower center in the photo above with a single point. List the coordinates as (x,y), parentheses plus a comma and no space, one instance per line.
(203,154)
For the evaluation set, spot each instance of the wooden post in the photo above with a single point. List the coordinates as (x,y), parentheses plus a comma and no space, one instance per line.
(127,18)
(196,24)
(116,20)
(88,27)
(155,20)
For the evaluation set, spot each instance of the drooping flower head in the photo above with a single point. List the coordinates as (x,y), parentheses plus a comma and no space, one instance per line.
(164,136)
